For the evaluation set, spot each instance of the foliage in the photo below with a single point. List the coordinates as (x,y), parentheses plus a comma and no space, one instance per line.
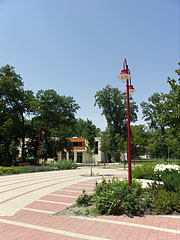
(90,137)
(9,170)
(171,180)
(115,197)
(15,104)
(152,113)
(142,138)
(172,114)
(164,197)
(114,107)
(81,127)
(56,114)
(83,199)
(65,164)
(62,164)
(166,202)
(105,144)
(31,169)
(145,171)
(163,167)
(121,145)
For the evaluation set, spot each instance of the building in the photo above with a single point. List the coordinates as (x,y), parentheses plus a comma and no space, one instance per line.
(79,152)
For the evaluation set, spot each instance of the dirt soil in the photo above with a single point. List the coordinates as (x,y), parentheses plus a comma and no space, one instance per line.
(74,210)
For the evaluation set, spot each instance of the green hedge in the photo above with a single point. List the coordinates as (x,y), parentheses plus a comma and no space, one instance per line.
(145,171)
(10,170)
(62,164)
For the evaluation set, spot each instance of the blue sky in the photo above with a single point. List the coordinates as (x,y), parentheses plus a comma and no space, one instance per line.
(77,47)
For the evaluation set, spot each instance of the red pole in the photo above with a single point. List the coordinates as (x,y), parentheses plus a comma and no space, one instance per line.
(129,136)
(39,146)
(134,148)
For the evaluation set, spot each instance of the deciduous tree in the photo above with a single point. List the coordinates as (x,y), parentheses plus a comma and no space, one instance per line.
(114,107)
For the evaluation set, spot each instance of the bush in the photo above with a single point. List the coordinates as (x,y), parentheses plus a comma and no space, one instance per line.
(145,171)
(10,170)
(30,169)
(171,180)
(83,199)
(115,197)
(62,164)
(65,164)
(166,202)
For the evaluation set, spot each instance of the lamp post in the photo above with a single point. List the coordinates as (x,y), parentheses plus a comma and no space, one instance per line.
(125,75)
(43,132)
(134,148)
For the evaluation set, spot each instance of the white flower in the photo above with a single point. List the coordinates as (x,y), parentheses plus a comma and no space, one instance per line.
(162,167)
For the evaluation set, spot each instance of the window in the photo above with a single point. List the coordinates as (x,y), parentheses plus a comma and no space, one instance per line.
(77,144)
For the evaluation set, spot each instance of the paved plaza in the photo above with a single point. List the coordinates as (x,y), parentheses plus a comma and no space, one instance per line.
(28,202)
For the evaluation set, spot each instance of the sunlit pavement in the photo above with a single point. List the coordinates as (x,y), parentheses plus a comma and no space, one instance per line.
(28,202)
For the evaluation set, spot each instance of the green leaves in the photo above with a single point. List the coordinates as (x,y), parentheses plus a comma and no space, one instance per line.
(115,197)
(114,107)
(48,109)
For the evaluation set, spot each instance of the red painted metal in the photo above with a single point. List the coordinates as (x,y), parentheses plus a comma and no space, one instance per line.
(125,74)
(129,136)
(43,132)
(39,146)
(134,148)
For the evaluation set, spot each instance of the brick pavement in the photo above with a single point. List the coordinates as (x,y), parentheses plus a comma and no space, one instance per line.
(28,202)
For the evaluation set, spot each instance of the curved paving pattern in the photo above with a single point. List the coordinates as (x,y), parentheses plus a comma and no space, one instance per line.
(27,202)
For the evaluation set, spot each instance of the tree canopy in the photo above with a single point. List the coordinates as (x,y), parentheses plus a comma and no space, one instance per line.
(114,107)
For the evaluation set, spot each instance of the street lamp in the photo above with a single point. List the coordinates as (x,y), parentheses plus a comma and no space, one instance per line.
(43,132)
(125,75)
(134,148)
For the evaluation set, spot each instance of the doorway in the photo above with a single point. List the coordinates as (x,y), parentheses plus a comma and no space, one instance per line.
(79,157)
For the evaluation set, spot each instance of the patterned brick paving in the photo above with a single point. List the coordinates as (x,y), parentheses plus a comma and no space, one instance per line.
(28,201)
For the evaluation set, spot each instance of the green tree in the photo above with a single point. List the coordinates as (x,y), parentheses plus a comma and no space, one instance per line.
(153,110)
(15,105)
(90,137)
(121,144)
(106,145)
(80,128)
(56,114)
(114,107)
(172,114)
(142,137)
(173,142)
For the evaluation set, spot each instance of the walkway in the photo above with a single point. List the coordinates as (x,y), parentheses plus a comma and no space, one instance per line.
(27,202)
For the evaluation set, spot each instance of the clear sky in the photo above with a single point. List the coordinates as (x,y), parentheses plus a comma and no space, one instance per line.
(77,47)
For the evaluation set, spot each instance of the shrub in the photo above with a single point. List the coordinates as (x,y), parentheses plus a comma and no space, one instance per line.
(161,169)
(145,171)
(83,199)
(61,164)
(9,170)
(166,202)
(171,180)
(30,169)
(65,164)
(115,197)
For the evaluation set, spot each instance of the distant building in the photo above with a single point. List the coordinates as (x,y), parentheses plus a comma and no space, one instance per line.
(79,152)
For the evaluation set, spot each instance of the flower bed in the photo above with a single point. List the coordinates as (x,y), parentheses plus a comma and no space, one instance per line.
(115,197)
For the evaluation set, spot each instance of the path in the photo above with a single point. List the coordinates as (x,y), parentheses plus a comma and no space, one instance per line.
(27,202)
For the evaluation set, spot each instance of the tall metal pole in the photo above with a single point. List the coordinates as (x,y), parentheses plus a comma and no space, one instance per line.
(39,146)
(125,75)
(129,136)
(134,148)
